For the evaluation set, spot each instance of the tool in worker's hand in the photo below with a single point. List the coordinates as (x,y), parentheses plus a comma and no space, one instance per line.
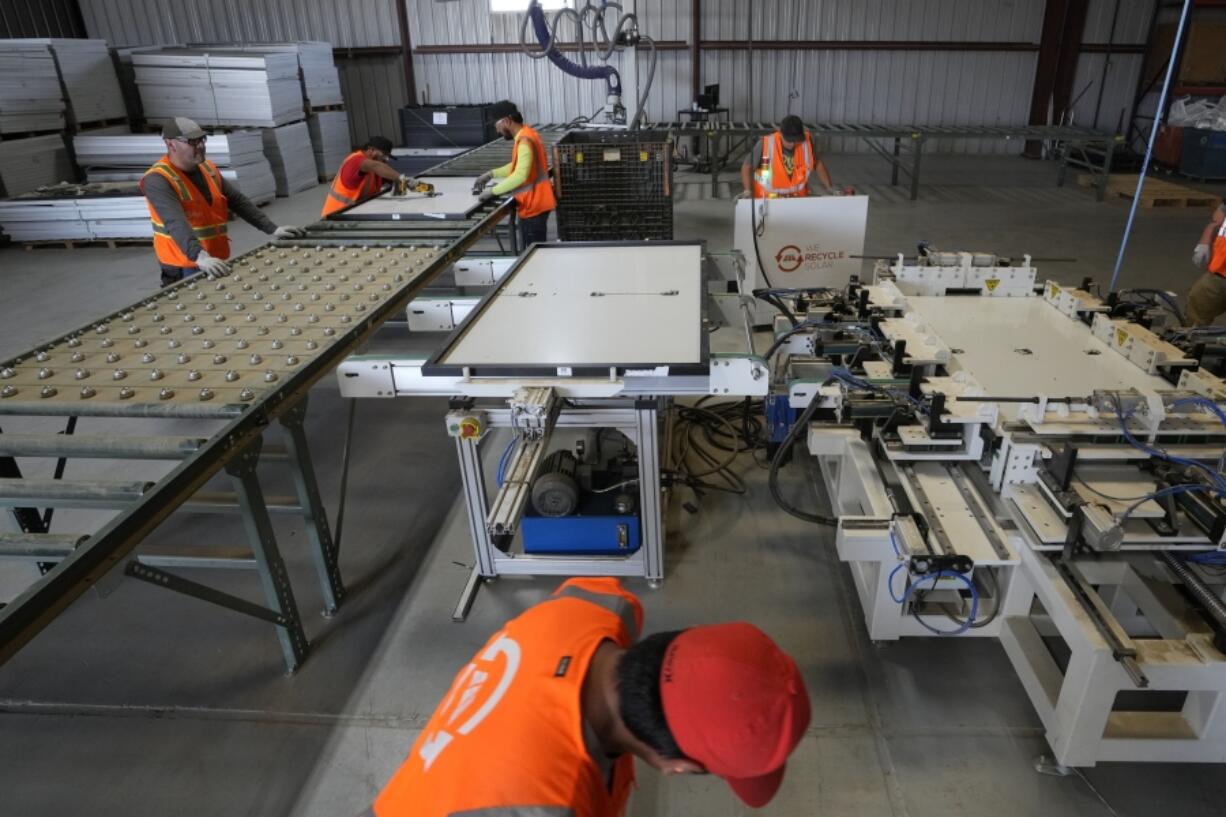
(405,185)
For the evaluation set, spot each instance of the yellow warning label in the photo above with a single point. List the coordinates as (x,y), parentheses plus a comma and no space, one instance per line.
(642,155)
(991,284)
(579,157)
(1120,337)
(1053,290)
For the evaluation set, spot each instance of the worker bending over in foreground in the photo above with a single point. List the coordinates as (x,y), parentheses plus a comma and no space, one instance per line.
(362,175)
(549,715)
(1207,298)
(526,177)
(786,164)
(190,203)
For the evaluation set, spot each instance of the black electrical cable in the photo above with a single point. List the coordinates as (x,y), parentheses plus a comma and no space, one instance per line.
(753,226)
(779,341)
(802,423)
(985,621)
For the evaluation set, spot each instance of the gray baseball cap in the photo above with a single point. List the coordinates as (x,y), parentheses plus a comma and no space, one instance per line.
(181,126)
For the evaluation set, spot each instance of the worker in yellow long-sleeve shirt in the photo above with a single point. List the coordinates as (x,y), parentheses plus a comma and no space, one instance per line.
(526,177)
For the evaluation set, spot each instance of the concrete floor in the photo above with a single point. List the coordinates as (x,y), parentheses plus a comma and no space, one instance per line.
(146,703)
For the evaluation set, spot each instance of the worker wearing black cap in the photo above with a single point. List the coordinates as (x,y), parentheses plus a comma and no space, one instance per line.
(786,164)
(526,177)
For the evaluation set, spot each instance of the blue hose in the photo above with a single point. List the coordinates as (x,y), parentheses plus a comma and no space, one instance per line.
(606,72)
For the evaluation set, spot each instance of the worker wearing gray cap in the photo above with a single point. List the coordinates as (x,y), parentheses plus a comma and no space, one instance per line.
(190,203)
(784,164)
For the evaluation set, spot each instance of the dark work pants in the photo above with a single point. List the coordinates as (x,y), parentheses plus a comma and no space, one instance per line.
(532,230)
(173,275)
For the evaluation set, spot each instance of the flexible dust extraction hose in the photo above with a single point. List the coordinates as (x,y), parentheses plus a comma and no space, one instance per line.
(602,42)
(546,36)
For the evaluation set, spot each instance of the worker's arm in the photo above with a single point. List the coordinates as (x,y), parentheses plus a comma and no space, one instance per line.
(523,167)
(1203,251)
(1215,224)
(381,169)
(609,594)
(166,204)
(823,176)
(747,176)
(245,209)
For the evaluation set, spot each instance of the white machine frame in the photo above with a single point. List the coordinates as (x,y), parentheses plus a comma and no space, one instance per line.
(633,401)
(1115,617)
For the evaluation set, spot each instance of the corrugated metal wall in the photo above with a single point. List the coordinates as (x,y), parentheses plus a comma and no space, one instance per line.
(1122,70)
(864,86)
(40,18)
(373,85)
(348,24)
(374,90)
(949,87)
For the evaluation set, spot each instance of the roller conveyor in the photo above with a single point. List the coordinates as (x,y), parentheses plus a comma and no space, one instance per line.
(231,356)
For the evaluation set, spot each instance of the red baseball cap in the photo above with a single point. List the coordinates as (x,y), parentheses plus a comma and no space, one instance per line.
(736,703)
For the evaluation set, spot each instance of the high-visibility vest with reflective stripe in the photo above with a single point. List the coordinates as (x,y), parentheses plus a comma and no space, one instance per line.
(207,216)
(508,738)
(1217,261)
(341,195)
(534,196)
(772,180)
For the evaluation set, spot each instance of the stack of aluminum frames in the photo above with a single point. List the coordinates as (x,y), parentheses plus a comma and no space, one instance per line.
(321,84)
(228,89)
(289,152)
(28,164)
(30,96)
(72,212)
(89,82)
(239,155)
(230,357)
(330,141)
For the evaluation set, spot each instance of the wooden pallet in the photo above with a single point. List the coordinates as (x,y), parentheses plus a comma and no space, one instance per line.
(76,243)
(1156,193)
(6,137)
(310,109)
(98,124)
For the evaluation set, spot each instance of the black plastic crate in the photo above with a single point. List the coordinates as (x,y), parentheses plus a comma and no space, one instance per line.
(423,126)
(614,186)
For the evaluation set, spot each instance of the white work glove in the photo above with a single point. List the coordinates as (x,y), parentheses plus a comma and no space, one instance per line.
(481,182)
(210,266)
(289,232)
(1200,255)
(742,195)
(405,179)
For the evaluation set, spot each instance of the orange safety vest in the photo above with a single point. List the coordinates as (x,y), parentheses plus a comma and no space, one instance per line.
(508,737)
(771,180)
(1217,260)
(342,195)
(208,220)
(534,196)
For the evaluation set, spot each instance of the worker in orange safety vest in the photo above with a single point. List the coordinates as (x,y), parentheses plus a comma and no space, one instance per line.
(190,203)
(1207,298)
(526,177)
(548,716)
(784,164)
(361,176)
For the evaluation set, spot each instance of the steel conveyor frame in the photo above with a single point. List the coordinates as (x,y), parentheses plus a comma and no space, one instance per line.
(103,550)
